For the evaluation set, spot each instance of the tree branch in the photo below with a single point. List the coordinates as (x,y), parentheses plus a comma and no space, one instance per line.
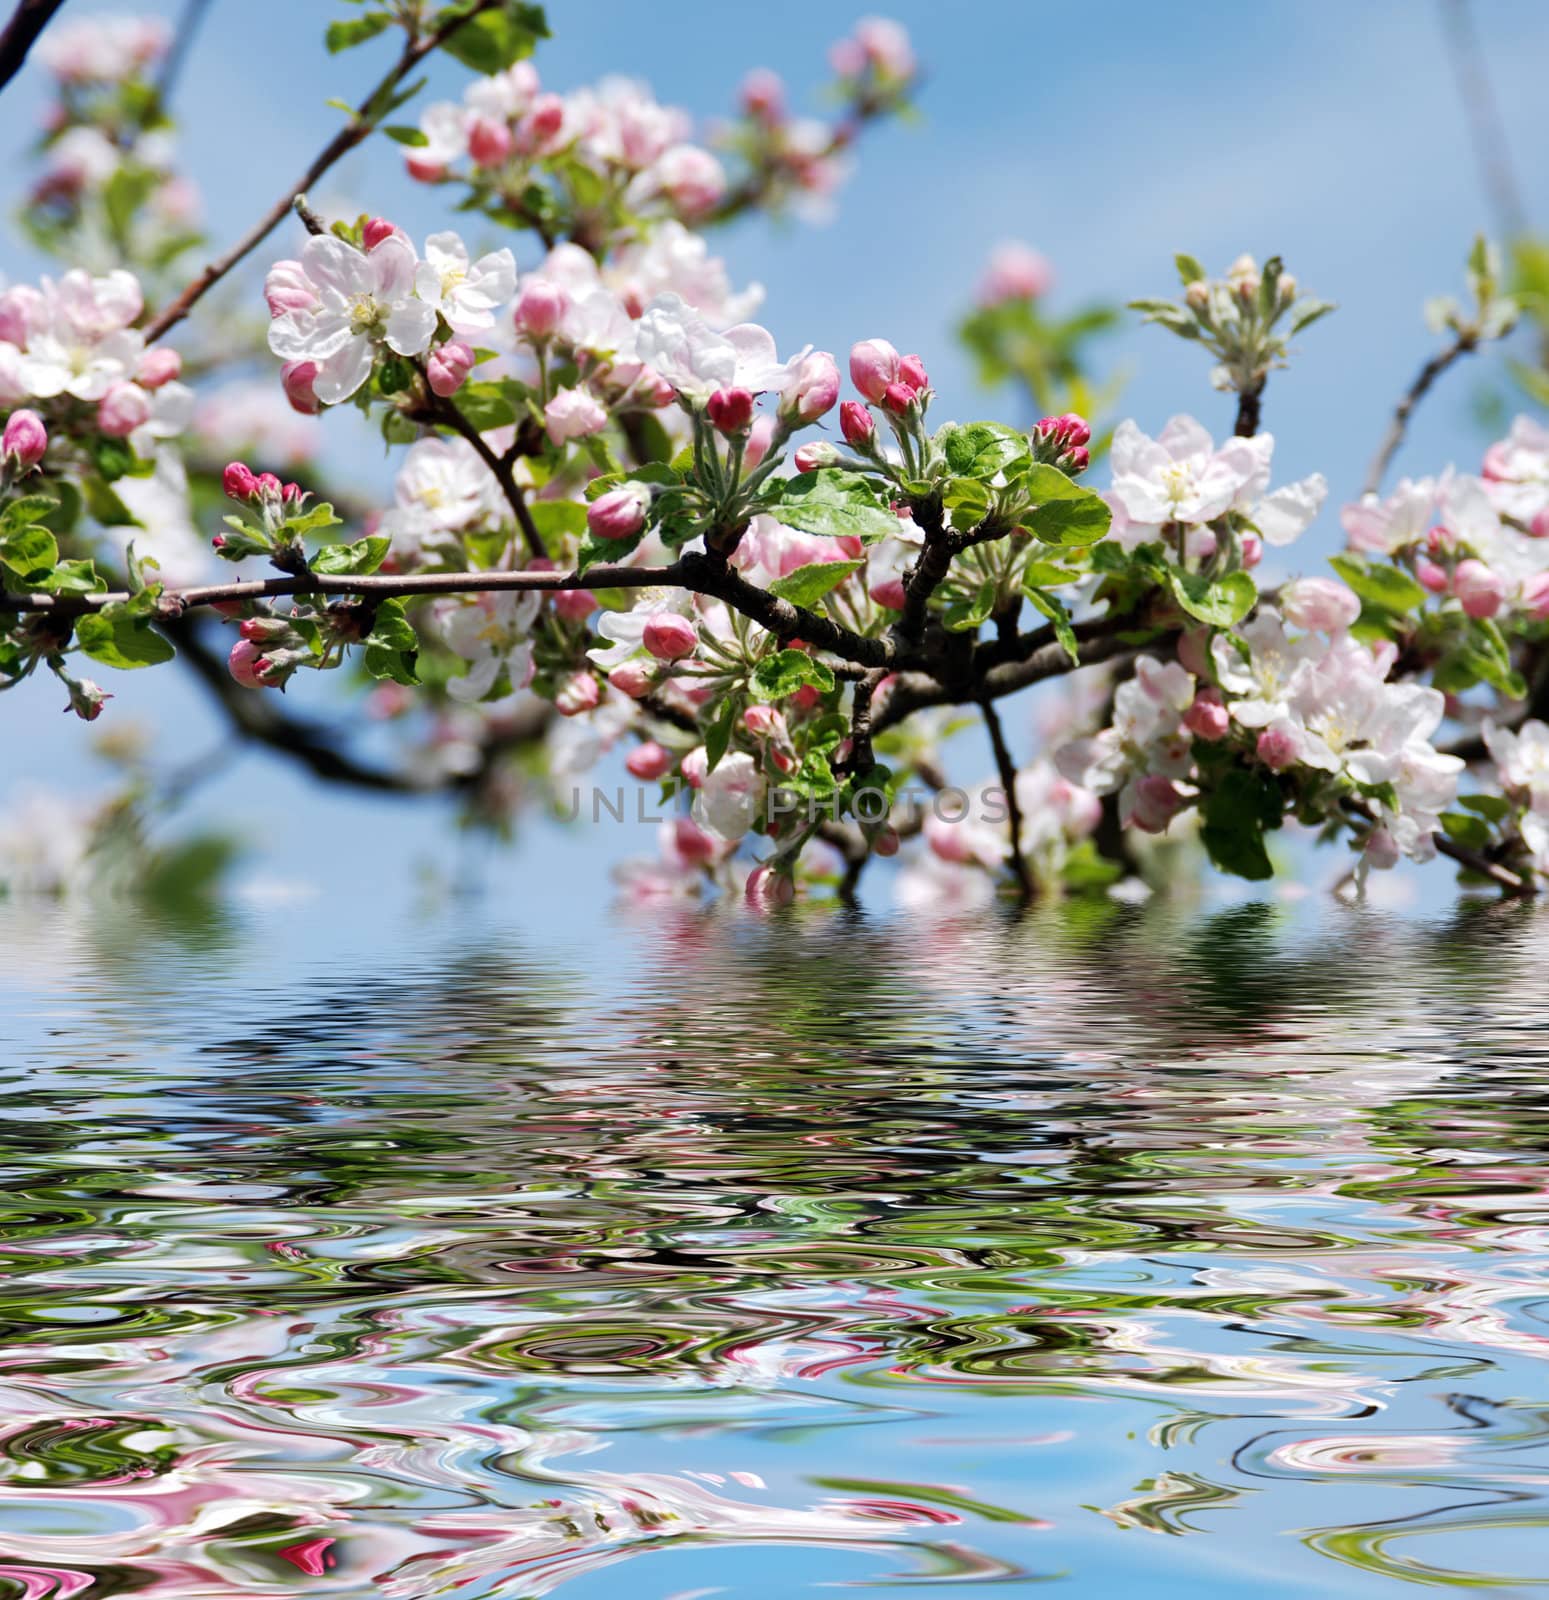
(21,33)
(1250,407)
(1427,375)
(354,132)
(1008,781)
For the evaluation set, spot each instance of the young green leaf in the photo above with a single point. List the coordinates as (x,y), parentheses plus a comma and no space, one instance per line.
(785,672)
(1221,602)
(1055,611)
(1064,512)
(352,560)
(807,585)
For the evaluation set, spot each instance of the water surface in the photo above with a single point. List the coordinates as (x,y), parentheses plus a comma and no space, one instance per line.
(1117,1250)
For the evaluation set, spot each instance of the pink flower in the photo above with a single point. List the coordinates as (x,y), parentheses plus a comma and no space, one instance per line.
(730,410)
(648,762)
(311,1556)
(489,142)
(239,482)
(296,380)
(620,513)
(1155,802)
(1321,605)
(288,288)
(763,95)
(809,457)
(764,722)
(898,398)
(634,678)
(125,407)
(694,767)
(157,366)
(1208,717)
(25,439)
(813,389)
(874,365)
(760,437)
(377,230)
(857,424)
(690,177)
(577,694)
(1535,596)
(539,307)
(1539,526)
(669,636)
(574,414)
(1276,748)
(766,887)
(574,605)
(1015,272)
(1480,590)
(1252,550)
(1432,576)
(448,367)
(246,664)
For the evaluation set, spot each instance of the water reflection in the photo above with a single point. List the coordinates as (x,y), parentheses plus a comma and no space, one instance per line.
(1127,1246)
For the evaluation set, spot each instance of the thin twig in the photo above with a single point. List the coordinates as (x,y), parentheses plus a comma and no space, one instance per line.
(1485,126)
(1427,375)
(182,41)
(21,33)
(1008,782)
(354,132)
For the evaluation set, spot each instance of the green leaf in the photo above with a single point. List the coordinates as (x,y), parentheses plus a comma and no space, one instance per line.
(1388,588)
(981,449)
(23,513)
(1486,655)
(833,503)
(1047,574)
(784,673)
(391,629)
(29,551)
(403,133)
(495,40)
(1064,512)
(116,459)
(1055,611)
(119,638)
(346,35)
(1492,807)
(351,560)
(73,577)
(396,665)
(558,518)
(971,612)
(312,520)
(807,585)
(1306,312)
(1222,603)
(718,735)
(1473,832)
(104,505)
(1234,817)
(486,406)
(124,195)
(1189,270)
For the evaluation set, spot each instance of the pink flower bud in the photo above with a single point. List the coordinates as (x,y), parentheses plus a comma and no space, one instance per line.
(375,231)
(25,439)
(263,630)
(763,95)
(246,664)
(1381,849)
(812,456)
(634,678)
(857,424)
(544,121)
(1535,596)
(897,398)
(730,410)
(1539,526)
(1433,577)
(489,142)
(1480,590)
(620,513)
(886,842)
(695,767)
(873,366)
(813,390)
(448,367)
(269,486)
(1154,803)
(648,762)
(766,887)
(296,379)
(239,482)
(1208,717)
(1276,748)
(690,841)
(911,370)
(1252,550)
(1194,651)
(764,722)
(1015,272)
(1321,605)
(670,637)
(87,699)
(125,407)
(577,694)
(574,605)
(805,698)
(889,592)
(574,414)
(288,288)
(157,366)
(540,308)
(1078,458)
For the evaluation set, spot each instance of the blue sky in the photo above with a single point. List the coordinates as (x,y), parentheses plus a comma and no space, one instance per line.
(1109,137)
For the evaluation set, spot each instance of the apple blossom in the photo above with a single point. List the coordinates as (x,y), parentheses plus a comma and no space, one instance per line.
(125,407)
(448,367)
(576,695)
(158,366)
(297,379)
(857,424)
(810,457)
(1480,590)
(670,637)
(633,678)
(812,390)
(25,439)
(574,414)
(730,410)
(648,762)
(539,307)
(620,513)
(1015,272)
(678,344)
(492,633)
(1321,605)
(465,293)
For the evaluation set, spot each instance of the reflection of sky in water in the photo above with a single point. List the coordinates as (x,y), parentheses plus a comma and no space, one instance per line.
(1156,1250)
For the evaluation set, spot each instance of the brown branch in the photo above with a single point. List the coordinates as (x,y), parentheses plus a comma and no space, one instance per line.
(1428,374)
(1008,782)
(21,33)
(360,126)
(1250,407)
